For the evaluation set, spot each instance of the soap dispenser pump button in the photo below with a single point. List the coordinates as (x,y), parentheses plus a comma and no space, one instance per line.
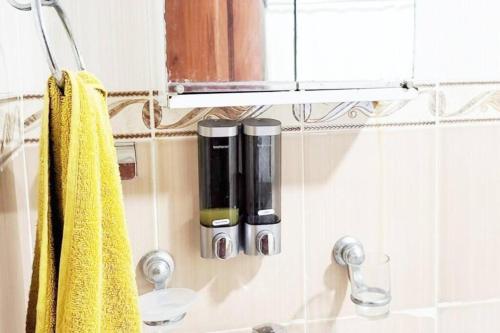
(223,246)
(266,243)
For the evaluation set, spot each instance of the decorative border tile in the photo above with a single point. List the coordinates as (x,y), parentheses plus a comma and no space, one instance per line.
(419,111)
(469,102)
(130,112)
(10,127)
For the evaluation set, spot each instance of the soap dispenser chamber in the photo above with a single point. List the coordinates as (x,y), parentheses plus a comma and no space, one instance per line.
(218,185)
(262,186)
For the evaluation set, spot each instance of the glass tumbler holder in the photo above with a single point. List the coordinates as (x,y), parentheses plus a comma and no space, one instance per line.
(369,274)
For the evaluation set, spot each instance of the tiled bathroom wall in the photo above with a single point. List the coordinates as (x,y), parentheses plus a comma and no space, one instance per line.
(418,180)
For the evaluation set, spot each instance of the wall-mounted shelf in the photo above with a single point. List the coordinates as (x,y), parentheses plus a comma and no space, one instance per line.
(290,97)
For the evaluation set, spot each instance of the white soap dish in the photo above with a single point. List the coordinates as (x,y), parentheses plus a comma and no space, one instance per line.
(163,306)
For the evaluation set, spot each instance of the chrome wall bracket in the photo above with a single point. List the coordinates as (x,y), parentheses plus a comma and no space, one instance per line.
(348,250)
(127,160)
(158,267)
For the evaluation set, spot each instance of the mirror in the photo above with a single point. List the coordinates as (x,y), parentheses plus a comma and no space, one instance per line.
(273,45)
(339,41)
(226,45)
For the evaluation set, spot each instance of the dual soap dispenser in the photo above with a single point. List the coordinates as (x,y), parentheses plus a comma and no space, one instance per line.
(240,187)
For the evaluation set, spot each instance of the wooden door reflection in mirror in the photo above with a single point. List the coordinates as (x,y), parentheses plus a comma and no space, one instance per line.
(229,41)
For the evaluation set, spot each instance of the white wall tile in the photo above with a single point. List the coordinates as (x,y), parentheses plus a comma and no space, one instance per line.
(15,249)
(480,318)
(10,50)
(27,69)
(138,201)
(394,323)
(469,195)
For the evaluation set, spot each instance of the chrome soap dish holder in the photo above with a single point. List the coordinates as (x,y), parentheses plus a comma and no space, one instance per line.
(163,306)
(369,275)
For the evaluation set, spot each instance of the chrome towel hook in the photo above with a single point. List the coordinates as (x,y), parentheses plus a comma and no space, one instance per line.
(36,8)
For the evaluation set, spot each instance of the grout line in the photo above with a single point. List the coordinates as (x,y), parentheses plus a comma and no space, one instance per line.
(149,54)
(415,312)
(431,83)
(152,129)
(27,197)
(295,41)
(304,229)
(464,83)
(414,51)
(437,156)
(382,214)
(154,174)
(448,305)
(430,312)
(464,121)
(165,135)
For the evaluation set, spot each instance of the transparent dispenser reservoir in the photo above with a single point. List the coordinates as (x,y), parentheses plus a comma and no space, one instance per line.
(218,188)
(262,185)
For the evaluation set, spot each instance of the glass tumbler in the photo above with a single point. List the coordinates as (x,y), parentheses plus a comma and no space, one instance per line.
(371,285)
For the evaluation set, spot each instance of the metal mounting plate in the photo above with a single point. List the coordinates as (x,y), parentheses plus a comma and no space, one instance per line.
(341,245)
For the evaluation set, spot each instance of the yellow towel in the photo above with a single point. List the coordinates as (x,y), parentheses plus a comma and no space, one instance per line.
(83,278)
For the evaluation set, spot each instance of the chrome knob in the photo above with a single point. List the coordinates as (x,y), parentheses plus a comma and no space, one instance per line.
(223,246)
(266,243)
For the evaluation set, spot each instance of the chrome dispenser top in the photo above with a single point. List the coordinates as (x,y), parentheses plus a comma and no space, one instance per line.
(217,128)
(261,127)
